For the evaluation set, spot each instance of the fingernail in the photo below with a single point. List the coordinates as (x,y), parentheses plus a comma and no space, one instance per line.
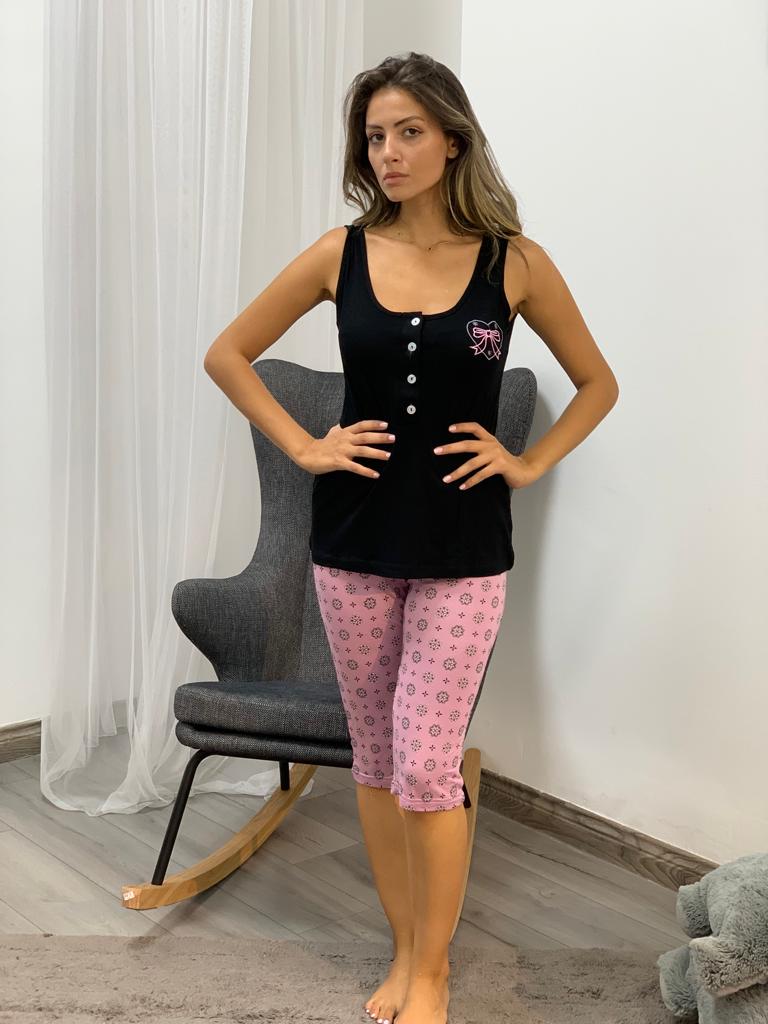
(446,478)
(391,437)
(438,449)
(383,424)
(451,428)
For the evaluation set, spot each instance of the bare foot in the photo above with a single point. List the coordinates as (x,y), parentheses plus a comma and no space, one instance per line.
(427,1000)
(386,1001)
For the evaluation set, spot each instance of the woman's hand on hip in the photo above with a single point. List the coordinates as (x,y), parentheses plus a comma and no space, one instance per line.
(342,445)
(491,457)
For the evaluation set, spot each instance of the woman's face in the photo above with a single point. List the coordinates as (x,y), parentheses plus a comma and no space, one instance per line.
(403,137)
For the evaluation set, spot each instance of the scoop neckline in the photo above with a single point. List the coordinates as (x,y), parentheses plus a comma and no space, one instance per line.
(410,312)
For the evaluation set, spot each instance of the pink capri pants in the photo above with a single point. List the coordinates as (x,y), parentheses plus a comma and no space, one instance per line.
(409,655)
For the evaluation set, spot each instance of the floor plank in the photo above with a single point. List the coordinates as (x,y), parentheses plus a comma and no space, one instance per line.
(62,872)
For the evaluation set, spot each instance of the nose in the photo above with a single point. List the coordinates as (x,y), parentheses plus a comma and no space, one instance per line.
(389,149)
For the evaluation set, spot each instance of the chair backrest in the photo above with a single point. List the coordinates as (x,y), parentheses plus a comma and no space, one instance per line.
(265,622)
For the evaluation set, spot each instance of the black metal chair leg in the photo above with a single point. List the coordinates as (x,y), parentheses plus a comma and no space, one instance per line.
(176,814)
(285,775)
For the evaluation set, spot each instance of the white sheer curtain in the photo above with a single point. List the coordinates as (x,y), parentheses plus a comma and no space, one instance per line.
(146,119)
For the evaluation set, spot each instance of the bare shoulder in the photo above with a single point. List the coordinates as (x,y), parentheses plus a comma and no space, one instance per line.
(522,251)
(330,247)
(528,268)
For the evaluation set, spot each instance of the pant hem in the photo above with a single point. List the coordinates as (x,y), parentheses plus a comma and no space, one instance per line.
(433,805)
(369,780)
(407,805)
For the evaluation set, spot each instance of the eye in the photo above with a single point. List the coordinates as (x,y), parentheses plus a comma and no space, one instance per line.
(411,129)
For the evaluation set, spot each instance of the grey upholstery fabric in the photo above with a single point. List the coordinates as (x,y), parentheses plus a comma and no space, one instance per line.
(276,695)
(268,748)
(307,710)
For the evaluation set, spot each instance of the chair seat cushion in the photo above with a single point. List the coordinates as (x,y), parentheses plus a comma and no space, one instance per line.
(273,707)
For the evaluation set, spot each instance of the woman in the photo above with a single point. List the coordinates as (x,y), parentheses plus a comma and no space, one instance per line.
(411,531)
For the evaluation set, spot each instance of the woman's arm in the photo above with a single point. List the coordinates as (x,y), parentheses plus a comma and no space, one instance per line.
(299,287)
(551,311)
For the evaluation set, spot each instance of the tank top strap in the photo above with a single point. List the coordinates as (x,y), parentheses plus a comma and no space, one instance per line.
(497,270)
(349,260)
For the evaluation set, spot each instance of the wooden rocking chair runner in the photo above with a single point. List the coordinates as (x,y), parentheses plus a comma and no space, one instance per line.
(276,696)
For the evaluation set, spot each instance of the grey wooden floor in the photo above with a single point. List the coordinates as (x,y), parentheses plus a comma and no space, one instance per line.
(62,872)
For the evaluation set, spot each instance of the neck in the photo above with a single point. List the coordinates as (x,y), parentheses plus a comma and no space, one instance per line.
(423,221)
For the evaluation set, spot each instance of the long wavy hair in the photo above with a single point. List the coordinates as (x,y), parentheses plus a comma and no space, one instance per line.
(477,198)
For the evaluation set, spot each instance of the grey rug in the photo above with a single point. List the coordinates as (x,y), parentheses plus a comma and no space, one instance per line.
(88,979)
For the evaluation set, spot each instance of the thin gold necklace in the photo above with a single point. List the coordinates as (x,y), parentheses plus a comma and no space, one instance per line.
(429,247)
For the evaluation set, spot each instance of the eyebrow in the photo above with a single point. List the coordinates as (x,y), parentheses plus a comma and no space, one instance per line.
(412,117)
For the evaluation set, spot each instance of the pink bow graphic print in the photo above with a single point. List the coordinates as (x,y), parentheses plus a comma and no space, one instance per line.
(486,338)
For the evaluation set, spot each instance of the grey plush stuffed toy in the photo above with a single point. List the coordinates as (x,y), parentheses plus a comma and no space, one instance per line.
(721,975)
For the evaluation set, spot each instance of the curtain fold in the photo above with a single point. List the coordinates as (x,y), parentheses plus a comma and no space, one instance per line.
(146,118)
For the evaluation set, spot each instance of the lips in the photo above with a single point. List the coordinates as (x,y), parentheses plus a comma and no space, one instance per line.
(393,177)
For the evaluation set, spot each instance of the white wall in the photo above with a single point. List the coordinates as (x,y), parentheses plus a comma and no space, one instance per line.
(23,420)
(397,26)
(630,676)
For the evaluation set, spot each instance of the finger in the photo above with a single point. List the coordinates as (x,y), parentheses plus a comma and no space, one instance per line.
(467,467)
(372,437)
(355,467)
(368,425)
(467,428)
(476,479)
(457,446)
(370,453)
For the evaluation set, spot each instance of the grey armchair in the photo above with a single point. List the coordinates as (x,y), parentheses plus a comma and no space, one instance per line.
(275,696)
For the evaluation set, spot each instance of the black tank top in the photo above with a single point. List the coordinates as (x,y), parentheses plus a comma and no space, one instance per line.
(419,372)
